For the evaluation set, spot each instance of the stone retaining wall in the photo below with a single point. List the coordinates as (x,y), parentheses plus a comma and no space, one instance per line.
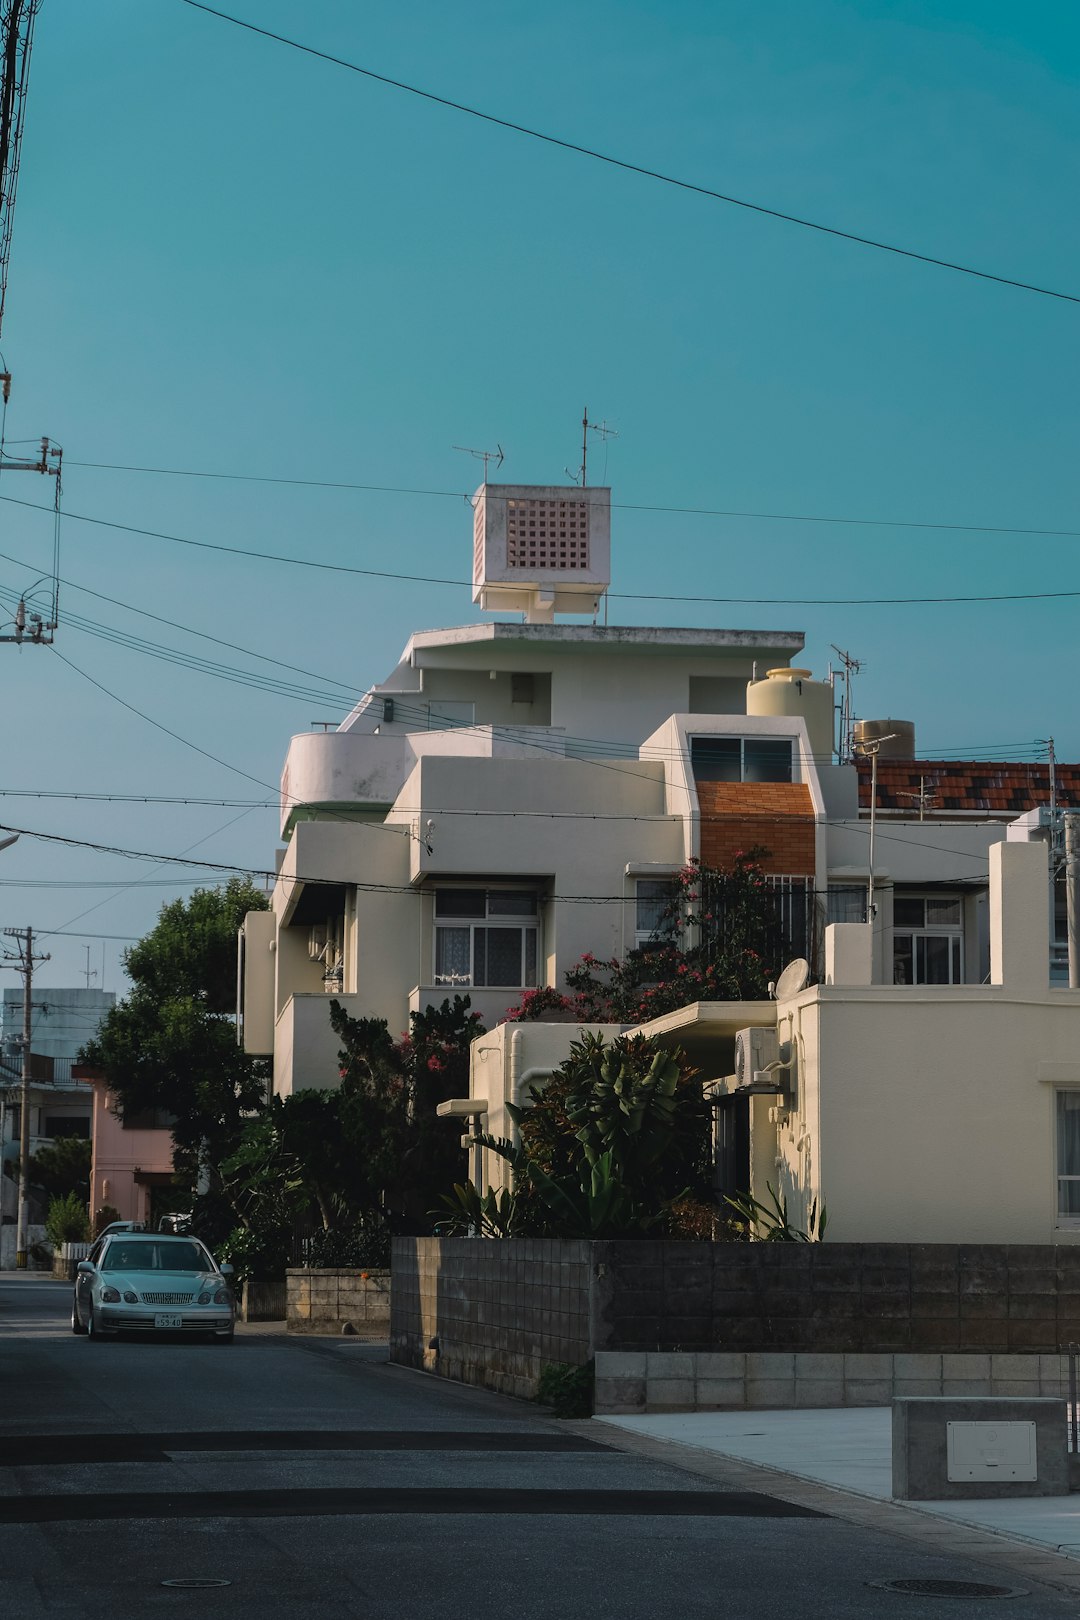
(330,1301)
(630,1381)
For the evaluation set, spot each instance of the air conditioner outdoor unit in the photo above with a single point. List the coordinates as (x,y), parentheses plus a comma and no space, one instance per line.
(755,1049)
(317,942)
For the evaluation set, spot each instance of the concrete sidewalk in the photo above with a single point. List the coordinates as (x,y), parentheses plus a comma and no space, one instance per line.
(850,1448)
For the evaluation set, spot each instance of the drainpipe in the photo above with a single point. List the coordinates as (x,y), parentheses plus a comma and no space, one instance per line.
(521,1079)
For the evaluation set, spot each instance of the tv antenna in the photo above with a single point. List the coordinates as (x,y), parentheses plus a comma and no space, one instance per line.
(91,973)
(852,667)
(926,798)
(485,456)
(588,427)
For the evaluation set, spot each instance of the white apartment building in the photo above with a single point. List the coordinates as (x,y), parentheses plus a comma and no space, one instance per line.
(515,794)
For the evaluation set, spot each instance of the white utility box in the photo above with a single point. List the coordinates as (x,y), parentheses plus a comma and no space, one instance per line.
(991,1451)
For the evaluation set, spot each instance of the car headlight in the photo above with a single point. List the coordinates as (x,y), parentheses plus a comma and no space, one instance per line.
(223,1297)
(110,1296)
(130,1298)
(205,1299)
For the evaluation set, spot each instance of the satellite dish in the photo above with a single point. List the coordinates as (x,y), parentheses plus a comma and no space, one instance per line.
(793,979)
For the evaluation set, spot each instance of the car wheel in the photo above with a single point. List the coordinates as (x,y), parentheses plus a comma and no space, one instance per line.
(96,1333)
(77,1325)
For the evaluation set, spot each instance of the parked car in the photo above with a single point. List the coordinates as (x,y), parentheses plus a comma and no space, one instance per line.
(175,1222)
(151,1282)
(123,1226)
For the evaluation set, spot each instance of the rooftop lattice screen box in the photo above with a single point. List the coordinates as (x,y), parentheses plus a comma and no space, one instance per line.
(541,547)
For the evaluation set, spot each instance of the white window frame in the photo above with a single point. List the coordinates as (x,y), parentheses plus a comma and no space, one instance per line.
(527,924)
(665,887)
(953,932)
(1063,1218)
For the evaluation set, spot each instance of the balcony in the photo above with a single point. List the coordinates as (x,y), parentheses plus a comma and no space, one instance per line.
(325,769)
(305,1047)
(492,1005)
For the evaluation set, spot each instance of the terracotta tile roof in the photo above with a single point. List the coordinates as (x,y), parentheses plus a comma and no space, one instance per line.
(988,786)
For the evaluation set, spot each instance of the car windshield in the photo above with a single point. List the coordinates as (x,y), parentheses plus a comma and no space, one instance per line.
(145,1256)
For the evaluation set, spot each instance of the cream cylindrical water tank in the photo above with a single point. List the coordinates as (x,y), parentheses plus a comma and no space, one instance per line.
(895,739)
(793,693)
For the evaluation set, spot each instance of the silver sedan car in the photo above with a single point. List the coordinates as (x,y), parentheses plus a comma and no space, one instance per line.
(148,1282)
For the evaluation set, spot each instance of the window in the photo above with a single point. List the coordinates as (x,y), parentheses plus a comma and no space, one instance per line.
(65,1125)
(486,937)
(148,1119)
(845,903)
(652,900)
(928,939)
(1068,1157)
(741,759)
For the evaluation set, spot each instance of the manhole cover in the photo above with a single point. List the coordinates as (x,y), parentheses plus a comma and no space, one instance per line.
(955,1589)
(195,1583)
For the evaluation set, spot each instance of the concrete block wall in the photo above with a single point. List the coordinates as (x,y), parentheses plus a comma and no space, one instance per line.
(324,1301)
(837,1297)
(490,1313)
(806,1324)
(629,1381)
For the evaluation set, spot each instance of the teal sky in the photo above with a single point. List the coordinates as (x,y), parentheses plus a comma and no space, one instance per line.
(230,257)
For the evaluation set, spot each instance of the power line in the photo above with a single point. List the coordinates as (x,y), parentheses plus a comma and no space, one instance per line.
(615,506)
(203,635)
(622,596)
(367,887)
(635,168)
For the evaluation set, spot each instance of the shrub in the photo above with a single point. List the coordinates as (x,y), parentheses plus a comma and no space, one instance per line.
(105,1216)
(67,1220)
(567,1389)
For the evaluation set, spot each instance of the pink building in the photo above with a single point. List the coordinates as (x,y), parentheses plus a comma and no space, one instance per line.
(131,1168)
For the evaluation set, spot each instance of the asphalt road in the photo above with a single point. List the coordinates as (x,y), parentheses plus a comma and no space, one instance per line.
(318,1480)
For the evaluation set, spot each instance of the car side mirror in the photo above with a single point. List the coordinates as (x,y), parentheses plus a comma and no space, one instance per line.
(226,1270)
(84,1268)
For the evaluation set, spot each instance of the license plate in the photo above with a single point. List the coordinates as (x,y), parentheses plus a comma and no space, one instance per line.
(162,1321)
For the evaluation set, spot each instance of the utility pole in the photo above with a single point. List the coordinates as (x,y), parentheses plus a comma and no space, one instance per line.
(1072,863)
(23,959)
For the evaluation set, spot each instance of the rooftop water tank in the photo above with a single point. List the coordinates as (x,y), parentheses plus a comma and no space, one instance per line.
(793,693)
(896,737)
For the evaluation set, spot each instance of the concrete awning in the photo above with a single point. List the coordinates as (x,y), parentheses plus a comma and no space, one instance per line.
(706,1031)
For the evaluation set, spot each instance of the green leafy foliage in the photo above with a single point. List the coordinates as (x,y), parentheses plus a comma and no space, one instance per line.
(769,1223)
(718,939)
(67,1220)
(63,1166)
(615,1145)
(361,1160)
(104,1217)
(169,1048)
(569,1390)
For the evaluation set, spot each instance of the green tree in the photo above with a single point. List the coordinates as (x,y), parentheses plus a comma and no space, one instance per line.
(169,1048)
(390,1092)
(615,1145)
(63,1166)
(365,1158)
(67,1220)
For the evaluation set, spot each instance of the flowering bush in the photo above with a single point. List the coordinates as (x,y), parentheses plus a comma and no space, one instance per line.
(716,941)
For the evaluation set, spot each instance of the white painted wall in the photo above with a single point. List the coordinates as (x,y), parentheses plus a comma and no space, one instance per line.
(927,1114)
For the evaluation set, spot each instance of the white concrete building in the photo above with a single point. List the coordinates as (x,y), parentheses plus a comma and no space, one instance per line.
(61,1021)
(515,794)
(933,1114)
